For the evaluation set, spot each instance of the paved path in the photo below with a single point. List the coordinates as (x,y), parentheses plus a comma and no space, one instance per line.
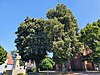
(87,73)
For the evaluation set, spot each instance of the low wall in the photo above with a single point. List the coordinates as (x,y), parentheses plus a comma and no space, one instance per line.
(60,73)
(45,73)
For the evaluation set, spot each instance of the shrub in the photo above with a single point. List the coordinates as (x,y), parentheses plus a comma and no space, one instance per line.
(28,70)
(47,63)
(20,74)
(4,73)
(33,69)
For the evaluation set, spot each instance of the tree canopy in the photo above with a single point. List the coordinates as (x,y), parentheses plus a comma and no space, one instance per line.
(59,33)
(3,55)
(31,40)
(63,30)
(90,36)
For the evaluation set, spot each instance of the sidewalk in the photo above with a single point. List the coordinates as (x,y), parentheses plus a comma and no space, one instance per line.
(87,73)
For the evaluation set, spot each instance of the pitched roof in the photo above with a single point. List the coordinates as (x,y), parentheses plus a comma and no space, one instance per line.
(10,60)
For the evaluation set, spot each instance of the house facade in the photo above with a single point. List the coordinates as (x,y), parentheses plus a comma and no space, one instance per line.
(8,65)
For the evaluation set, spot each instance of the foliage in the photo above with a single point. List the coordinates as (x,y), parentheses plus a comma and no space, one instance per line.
(31,40)
(63,33)
(29,70)
(47,63)
(33,69)
(26,73)
(20,74)
(90,36)
(21,62)
(3,55)
(5,73)
(13,53)
(58,34)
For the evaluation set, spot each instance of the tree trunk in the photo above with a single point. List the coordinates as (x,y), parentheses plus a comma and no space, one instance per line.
(85,65)
(93,67)
(63,66)
(37,66)
(99,67)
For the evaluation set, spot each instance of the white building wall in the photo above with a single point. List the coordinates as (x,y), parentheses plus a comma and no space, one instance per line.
(9,67)
(2,67)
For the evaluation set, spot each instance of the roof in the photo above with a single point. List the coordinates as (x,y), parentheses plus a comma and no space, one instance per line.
(10,60)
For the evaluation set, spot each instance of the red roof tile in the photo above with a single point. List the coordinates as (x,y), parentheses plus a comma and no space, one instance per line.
(10,60)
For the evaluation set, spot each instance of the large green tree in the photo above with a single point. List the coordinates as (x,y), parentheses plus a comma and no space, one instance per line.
(31,40)
(3,55)
(58,34)
(90,36)
(64,29)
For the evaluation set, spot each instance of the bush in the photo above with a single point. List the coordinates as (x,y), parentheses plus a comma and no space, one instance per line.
(4,73)
(20,74)
(47,63)
(28,70)
(26,73)
(33,69)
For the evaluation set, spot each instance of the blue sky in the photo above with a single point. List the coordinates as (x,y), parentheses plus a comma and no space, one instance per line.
(13,12)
